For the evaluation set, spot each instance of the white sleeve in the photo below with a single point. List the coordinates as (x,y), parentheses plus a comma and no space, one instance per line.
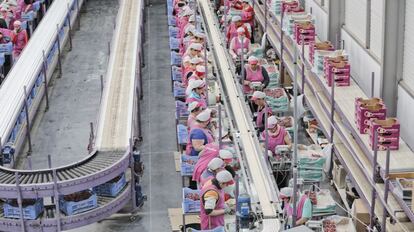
(210,203)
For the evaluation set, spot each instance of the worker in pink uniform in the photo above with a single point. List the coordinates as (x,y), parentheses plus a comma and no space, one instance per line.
(209,152)
(259,99)
(213,207)
(19,39)
(193,51)
(213,167)
(254,72)
(303,206)
(195,93)
(189,69)
(240,45)
(236,22)
(247,13)
(201,134)
(199,73)
(191,22)
(276,135)
(194,108)
(189,32)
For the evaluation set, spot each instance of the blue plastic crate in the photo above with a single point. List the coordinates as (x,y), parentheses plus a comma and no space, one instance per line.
(111,189)
(171,21)
(24,25)
(71,207)
(174,43)
(30,212)
(173,31)
(187,164)
(36,6)
(2,59)
(6,48)
(178,90)
(176,74)
(191,200)
(39,80)
(181,110)
(176,59)
(182,134)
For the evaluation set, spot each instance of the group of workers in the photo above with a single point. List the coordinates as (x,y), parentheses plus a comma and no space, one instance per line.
(214,171)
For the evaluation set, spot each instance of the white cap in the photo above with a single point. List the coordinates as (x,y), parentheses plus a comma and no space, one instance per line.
(271,122)
(196,60)
(246,0)
(258,95)
(252,59)
(225,154)
(186,59)
(224,177)
(215,164)
(193,105)
(191,19)
(236,18)
(196,84)
(286,192)
(201,68)
(196,46)
(200,34)
(17,23)
(190,28)
(241,30)
(204,116)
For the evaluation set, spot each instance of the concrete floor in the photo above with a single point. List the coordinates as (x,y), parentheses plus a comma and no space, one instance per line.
(63,131)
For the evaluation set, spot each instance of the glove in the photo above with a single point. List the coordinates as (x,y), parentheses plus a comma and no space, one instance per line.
(227,209)
(269,153)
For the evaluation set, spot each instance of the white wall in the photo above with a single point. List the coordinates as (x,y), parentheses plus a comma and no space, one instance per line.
(362,65)
(405,113)
(321,19)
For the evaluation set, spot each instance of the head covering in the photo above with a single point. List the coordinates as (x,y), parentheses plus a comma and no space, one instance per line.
(246,1)
(186,59)
(17,23)
(253,60)
(193,105)
(258,95)
(194,84)
(196,60)
(286,192)
(201,69)
(204,116)
(190,28)
(215,164)
(241,30)
(196,46)
(224,177)
(226,155)
(271,122)
(200,34)
(191,19)
(236,18)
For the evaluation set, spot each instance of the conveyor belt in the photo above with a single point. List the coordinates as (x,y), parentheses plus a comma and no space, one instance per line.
(259,175)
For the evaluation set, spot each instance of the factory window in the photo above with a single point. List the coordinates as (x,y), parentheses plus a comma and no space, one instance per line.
(408,68)
(356,19)
(376,27)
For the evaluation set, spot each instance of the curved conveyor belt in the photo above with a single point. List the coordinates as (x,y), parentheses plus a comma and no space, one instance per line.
(114,133)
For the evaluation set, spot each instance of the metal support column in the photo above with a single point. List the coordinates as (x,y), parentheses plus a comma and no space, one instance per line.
(295,137)
(281,65)
(45,82)
(387,186)
(374,175)
(336,18)
(392,55)
(59,50)
(26,109)
(70,29)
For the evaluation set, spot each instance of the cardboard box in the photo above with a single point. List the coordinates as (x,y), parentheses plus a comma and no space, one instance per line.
(360,211)
(339,174)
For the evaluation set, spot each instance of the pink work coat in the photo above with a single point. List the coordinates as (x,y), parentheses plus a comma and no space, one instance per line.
(19,42)
(261,114)
(211,222)
(208,134)
(210,151)
(275,140)
(238,45)
(299,208)
(252,76)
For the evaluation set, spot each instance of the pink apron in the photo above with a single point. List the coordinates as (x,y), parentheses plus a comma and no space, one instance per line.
(238,45)
(210,151)
(261,114)
(211,222)
(191,121)
(232,32)
(299,208)
(208,134)
(252,76)
(248,16)
(276,140)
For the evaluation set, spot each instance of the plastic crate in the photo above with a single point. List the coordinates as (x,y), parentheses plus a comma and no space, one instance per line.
(174,43)
(109,189)
(171,21)
(182,134)
(181,110)
(191,200)
(176,59)
(187,164)
(176,74)
(173,31)
(217,229)
(178,90)
(7,48)
(71,207)
(30,212)
(29,16)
